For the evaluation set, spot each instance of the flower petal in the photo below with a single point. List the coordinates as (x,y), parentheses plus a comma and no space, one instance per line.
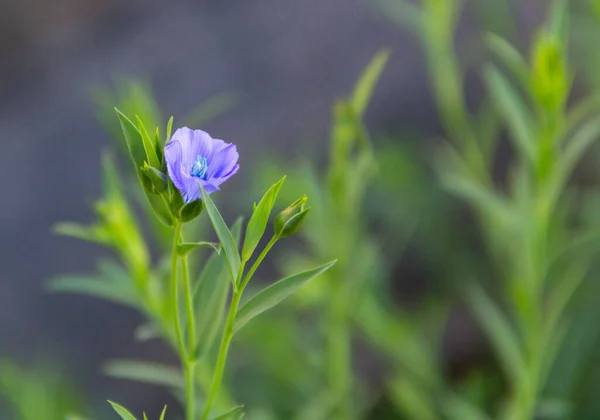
(192,191)
(193,143)
(173,158)
(224,158)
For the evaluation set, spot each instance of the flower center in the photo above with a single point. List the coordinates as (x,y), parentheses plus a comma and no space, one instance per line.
(199,168)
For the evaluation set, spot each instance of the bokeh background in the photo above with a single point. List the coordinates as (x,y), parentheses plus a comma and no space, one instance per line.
(283,63)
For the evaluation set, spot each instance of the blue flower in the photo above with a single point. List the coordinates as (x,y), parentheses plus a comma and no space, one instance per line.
(193,156)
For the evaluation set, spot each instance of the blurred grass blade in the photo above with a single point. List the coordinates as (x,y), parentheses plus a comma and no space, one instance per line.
(500,332)
(162,415)
(122,411)
(231,414)
(516,116)
(402,13)
(363,91)
(92,286)
(210,109)
(510,57)
(275,293)
(146,372)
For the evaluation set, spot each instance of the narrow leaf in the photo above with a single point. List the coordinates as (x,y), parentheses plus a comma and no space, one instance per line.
(148,144)
(133,139)
(500,332)
(210,295)
(275,293)
(169,128)
(146,332)
(510,57)
(516,116)
(122,411)
(231,414)
(227,243)
(367,81)
(162,415)
(91,286)
(185,247)
(258,222)
(146,372)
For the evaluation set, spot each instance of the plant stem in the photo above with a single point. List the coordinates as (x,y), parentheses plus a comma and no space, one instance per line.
(190,362)
(224,346)
(174,291)
(259,260)
(190,400)
(189,306)
(339,356)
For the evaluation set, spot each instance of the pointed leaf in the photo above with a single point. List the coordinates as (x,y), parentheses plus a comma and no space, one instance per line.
(275,293)
(137,153)
(145,416)
(92,286)
(169,128)
(258,222)
(231,414)
(185,247)
(210,295)
(162,415)
(146,332)
(152,158)
(367,81)
(510,56)
(500,332)
(516,116)
(227,243)
(122,411)
(147,372)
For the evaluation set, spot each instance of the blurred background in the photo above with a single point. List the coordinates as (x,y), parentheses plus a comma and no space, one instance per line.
(276,69)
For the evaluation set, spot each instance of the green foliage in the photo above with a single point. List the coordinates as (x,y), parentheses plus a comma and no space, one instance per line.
(275,293)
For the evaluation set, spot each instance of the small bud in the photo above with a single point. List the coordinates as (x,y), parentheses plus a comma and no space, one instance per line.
(155,178)
(289,220)
(549,81)
(191,210)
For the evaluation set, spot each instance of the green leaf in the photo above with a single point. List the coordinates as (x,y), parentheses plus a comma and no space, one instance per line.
(275,293)
(500,332)
(137,153)
(148,144)
(92,286)
(210,295)
(516,116)
(93,234)
(122,411)
(162,415)
(231,414)
(227,243)
(510,57)
(169,128)
(258,222)
(367,81)
(146,372)
(145,416)
(185,247)
(133,139)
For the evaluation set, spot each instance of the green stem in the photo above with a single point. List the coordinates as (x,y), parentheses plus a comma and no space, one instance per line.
(339,356)
(224,348)
(174,291)
(258,261)
(189,306)
(190,361)
(190,400)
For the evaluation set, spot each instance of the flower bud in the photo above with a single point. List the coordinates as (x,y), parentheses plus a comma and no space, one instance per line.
(549,72)
(289,220)
(191,210)
(154,179)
